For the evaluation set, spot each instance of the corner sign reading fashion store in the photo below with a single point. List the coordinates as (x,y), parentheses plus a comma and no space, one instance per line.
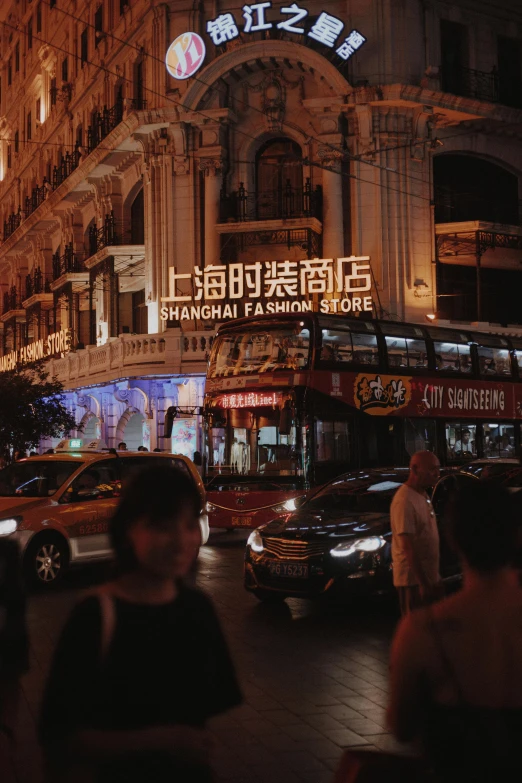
(325,285)
(186,54)
(55,344)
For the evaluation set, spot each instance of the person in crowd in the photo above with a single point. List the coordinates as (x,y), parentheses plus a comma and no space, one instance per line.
(157,449)
(142,665)
(14,651)
(18,455)
(50,451)
(33,454)
(122,446)
(456,666)
(142,448)
(415,537)
(464,445)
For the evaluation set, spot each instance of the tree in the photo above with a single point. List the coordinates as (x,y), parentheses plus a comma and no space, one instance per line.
(31,408)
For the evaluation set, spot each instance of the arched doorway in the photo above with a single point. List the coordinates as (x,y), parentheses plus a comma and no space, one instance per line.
(133,434)
(92,430)
(279,179)
(471,188)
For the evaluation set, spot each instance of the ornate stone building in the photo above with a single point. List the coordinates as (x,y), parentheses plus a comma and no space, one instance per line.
(279,132)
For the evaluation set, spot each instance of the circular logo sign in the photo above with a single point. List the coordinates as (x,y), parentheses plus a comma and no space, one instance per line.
(185,55)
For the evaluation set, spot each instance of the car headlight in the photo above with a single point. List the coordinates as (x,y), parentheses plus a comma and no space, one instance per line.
(288,505)
(255,542)
(371,544)
(209,507)
(9,526)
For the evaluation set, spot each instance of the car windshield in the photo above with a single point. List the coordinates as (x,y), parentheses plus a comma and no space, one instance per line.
(35,479)
(357,495)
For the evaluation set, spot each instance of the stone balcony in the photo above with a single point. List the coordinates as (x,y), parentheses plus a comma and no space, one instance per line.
(172,352)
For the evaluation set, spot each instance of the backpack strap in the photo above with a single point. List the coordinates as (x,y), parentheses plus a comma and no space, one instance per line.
(108,623)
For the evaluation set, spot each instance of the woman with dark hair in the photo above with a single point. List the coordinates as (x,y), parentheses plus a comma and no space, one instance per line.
(142,665)
(456,667)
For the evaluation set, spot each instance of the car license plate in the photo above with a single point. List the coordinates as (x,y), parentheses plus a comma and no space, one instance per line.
(241,521)
(289,570)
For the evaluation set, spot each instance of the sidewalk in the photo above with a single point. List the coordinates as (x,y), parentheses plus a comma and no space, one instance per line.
(314,681)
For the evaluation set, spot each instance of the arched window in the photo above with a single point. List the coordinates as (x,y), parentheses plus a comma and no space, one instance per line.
(137,220)
(470,188)
(279,178)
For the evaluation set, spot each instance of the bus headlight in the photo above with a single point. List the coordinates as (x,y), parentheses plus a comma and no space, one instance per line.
(255,542)
(9,526)
(371,544)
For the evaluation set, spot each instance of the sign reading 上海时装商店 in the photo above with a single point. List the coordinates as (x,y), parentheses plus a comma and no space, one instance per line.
(56,343)
(339,285)
(186,54)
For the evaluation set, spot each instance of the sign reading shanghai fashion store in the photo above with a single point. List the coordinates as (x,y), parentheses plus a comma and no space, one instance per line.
(339,285)
(56,343)
(186,54)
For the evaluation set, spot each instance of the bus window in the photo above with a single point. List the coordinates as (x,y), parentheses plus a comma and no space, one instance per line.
(365,348)
(493,361)
(499,440)
(332,441)
(342,346)
(461,441)
(452,356)
(406,352)
(260,350)
(420,435)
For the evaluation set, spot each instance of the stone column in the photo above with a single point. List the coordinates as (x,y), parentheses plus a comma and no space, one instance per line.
(333,222)
(212,170)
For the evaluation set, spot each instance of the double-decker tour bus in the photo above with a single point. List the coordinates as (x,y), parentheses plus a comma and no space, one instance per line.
(293,400)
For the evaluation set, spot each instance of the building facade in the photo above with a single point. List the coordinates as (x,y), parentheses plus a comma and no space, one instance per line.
(162,162)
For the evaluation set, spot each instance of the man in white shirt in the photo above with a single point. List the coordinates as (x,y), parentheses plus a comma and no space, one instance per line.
(415,537)
(465,445)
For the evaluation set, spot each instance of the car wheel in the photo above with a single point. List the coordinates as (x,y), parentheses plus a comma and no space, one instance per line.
(46,561)
(268,596)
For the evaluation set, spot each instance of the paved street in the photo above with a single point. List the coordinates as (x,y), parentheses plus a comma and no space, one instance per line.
(314,677)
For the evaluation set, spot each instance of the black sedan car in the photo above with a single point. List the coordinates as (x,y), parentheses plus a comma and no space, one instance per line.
(338,541)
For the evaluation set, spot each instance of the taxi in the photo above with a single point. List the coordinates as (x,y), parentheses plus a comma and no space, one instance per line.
(58,506)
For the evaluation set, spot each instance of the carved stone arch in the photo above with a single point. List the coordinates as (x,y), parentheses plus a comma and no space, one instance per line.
(492,150)
(123,421)
(265,51)
(250,144)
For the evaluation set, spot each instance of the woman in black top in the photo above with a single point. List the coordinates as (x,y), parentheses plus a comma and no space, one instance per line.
(129,699)
(456,667)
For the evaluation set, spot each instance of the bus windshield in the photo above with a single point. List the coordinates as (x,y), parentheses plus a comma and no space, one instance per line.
(260,350)
(249,443)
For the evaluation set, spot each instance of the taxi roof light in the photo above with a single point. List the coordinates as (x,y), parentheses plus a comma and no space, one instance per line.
(78,444)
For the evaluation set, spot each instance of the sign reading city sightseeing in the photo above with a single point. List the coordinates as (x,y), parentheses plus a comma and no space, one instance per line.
(339,285)
(186,54)
(56,343)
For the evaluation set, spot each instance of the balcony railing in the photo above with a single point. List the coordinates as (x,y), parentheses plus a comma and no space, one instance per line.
(103,122)
(462,207)
(69,162)
(287,202)
(108,234)
(37,197)
(470,83)
(36,283)
(12,300)
(12,223)
(68,263)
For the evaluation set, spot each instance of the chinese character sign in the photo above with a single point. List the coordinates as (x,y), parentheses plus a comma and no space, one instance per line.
(249,400)
(328,284)
(326,29)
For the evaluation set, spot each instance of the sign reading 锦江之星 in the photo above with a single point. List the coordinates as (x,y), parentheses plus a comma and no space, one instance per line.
(326,29)
(220,291)
(56,343)
(186,54)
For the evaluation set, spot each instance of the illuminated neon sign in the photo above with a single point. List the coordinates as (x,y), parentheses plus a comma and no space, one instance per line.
(339,285)
(186,55)
(249,400)
(326,29)
(56,343)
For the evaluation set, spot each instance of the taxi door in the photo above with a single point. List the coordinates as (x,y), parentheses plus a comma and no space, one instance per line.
(87,506)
